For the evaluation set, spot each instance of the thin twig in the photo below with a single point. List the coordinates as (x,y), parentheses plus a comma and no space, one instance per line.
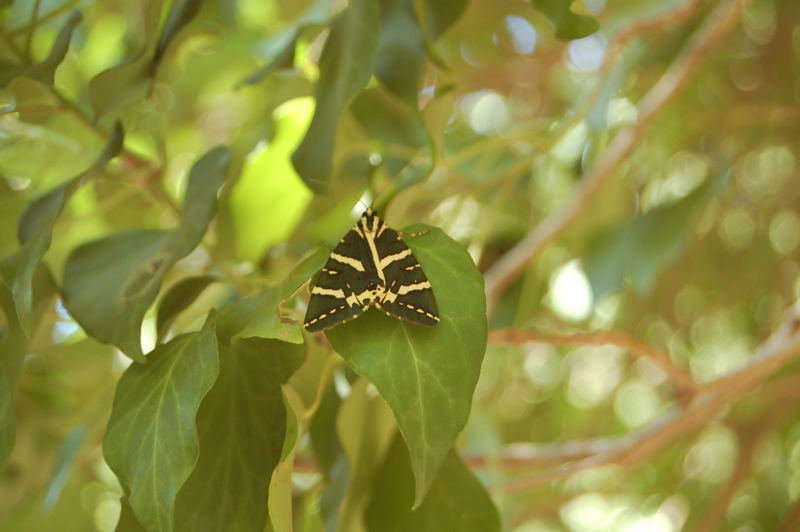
(513,263)
(680,379)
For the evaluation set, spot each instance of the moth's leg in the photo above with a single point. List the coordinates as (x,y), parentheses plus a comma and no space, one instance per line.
(285,318)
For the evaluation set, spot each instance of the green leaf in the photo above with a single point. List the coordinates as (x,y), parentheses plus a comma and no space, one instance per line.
(426,374)
(7,422)
(46,70)
(110,283)
(400,132)
(457,500)
(440,14)
(640,248)
(569,25)
(35,231)
(281,485)
(151,442)
(366,428)
(178,298)
(401,50)
(127,83)
(242,426)
(346,64)
(181,13)
(13,348)
(127,519)
(63,466)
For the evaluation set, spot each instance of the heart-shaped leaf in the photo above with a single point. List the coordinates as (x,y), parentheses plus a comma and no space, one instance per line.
(151,442)
(456,501)
(110,283)
(427,375)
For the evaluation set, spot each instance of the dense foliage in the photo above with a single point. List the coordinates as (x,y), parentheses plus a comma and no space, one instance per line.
(608,201)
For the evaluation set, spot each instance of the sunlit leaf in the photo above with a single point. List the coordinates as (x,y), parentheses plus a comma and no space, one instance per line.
(640,248)
(110,283)
(456,501)
(242,426)
(151,442)
(426,374)
(569,25)
(346,64)
(35,231)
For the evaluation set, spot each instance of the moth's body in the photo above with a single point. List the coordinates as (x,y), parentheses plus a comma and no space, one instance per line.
(371,266)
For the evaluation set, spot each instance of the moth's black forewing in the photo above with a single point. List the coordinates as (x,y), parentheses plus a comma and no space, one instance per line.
(371,265)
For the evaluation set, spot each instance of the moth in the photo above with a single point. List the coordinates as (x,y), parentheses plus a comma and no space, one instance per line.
(370,267)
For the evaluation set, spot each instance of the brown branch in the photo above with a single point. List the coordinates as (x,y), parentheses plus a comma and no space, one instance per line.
(717,25)
(681,380)
(782,347)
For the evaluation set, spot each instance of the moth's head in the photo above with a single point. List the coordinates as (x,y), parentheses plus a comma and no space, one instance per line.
(370,223)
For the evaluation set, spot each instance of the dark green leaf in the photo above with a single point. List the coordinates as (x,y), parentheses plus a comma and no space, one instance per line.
(346,64)
(63,466)
(283,61)
(366,427)
(127,519)
(110,283)
(426,374)
(7,423)
(151,442)
(281,485)
(178,298)
(440,14)
(46,70)
(640,248)
(330,456)
(35,231)
(180,13)
(401,50)
(13,348)
(400,131)
(242,425)
(569,25)
(457,500)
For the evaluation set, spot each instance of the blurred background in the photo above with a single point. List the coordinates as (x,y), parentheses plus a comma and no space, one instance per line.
(658,138)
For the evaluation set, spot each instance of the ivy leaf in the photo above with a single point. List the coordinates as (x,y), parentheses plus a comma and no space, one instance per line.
(569,25)
(281,485)
(440,14)
(13,348)
(457,500)
(401,50)
(426,374)
(366,428)
(640,248)
(125,84)
(110,283)
(151,442)
(7,422)
(35,231)
(346,64)
(46,70)
(242,426)
(178,298)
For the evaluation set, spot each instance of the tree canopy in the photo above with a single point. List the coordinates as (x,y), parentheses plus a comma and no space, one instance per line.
(603,196)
